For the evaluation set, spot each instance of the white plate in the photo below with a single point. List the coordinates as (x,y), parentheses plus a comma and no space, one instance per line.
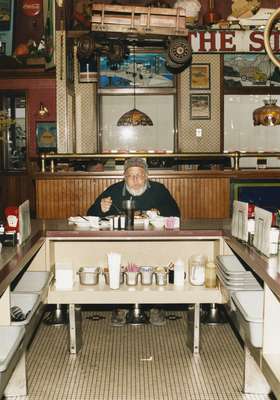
(237,278)
(231,265)
(231,287)
(86,222)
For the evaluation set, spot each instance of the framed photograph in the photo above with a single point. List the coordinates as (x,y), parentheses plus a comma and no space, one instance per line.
(200,106)
(49,33)
(200,77)
(150,72)
(249,71)
(46,136)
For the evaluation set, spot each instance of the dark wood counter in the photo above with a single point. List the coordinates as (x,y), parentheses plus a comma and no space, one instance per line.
(197,228)
(14,259)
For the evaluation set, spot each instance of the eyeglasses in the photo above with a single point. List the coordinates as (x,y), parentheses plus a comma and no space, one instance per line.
(135,176)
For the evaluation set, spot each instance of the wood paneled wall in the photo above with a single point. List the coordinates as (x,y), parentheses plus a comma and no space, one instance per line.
(199,197)
(15,189)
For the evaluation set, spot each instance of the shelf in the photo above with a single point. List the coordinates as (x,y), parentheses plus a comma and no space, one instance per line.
(141,294)
(76,34)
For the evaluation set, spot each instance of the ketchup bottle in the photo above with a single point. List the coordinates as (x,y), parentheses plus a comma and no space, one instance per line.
(251,210)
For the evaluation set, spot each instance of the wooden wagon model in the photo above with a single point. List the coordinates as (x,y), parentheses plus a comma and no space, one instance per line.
(138,20)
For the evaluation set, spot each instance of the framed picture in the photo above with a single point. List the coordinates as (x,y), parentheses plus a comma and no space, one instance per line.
(46,136)
(49,33)
(150,72)
(200,76)
(249,71)
(200,106)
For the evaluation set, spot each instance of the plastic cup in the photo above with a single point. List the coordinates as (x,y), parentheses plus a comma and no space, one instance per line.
(114,266)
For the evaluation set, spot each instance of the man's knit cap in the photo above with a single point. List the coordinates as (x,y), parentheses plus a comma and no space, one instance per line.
(135,162)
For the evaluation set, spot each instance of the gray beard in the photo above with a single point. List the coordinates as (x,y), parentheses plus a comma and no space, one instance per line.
(138,192)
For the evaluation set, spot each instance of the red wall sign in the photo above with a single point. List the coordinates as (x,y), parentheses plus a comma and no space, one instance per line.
(231,41)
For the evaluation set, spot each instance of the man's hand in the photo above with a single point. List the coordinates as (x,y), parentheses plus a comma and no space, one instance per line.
(106,204)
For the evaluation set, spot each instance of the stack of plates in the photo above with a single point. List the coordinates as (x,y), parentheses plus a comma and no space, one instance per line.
(234,276)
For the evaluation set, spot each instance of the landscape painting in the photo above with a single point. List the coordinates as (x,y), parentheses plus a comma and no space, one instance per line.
(249,70)
(200,106)
(150,72)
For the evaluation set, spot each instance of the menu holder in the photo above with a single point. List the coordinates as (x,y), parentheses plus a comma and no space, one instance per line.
(24,222)
(263,219)
(239,225)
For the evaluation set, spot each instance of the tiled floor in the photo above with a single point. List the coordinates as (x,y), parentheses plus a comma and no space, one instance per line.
(135,363)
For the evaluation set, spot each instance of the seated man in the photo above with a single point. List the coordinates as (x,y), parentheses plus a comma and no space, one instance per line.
(147,195)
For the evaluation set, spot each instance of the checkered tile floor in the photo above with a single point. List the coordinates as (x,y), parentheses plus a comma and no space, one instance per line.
(135,363)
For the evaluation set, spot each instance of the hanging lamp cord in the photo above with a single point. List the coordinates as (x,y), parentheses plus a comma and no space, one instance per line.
(134,74)
(270,71)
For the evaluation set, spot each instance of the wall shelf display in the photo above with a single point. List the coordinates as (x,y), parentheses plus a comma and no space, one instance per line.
(150,72)
(200,77)
(46,136)
(200,106)
(249,71)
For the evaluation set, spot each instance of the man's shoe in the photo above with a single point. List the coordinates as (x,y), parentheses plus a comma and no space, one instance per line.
(118,317)
(157,317)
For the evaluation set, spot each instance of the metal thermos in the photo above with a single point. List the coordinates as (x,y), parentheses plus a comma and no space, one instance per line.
(129,207)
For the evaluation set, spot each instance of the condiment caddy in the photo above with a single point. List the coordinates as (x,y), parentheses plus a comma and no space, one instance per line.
(200,273)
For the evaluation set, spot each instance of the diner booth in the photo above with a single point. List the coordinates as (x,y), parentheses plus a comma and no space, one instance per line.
(128,303)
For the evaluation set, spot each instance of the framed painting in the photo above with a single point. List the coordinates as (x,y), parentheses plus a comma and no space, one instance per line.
(200,77)
(46,137)
(200,106)
(249,71)
(150,72)
(49,32)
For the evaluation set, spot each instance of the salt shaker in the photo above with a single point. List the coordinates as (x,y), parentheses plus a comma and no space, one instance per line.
(122,221)
(116,222)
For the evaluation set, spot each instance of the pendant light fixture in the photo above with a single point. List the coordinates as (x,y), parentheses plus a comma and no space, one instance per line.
(269,114)
(134,117)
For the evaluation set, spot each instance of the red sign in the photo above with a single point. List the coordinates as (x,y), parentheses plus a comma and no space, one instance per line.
(31,8)
(231,41)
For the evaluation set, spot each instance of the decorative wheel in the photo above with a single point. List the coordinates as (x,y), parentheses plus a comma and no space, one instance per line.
(174,67)
(272,20)
(179,50)
(86,47)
